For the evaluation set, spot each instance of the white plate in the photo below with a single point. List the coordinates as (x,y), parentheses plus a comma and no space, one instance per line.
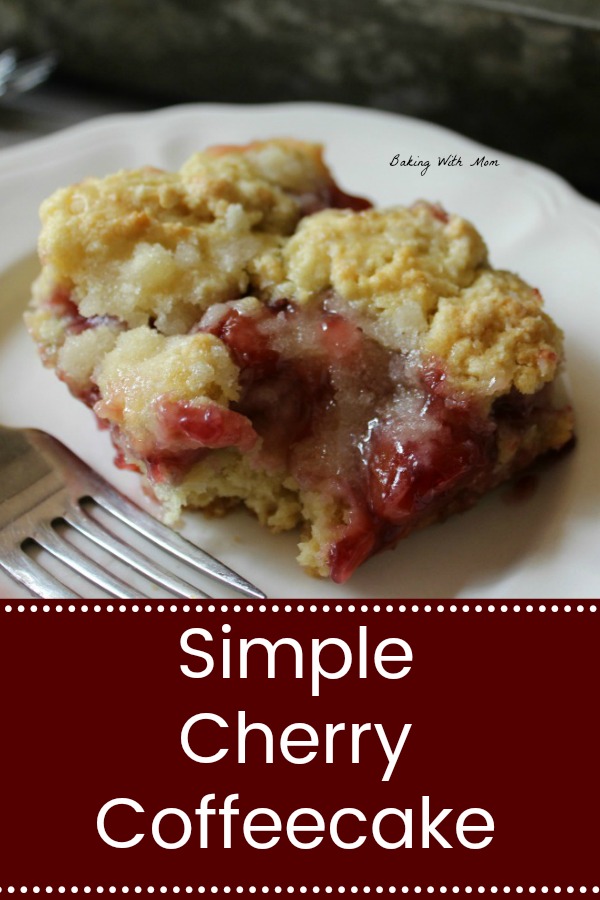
(535,224)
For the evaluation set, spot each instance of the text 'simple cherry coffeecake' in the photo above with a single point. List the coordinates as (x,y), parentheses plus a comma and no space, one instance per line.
(253,335)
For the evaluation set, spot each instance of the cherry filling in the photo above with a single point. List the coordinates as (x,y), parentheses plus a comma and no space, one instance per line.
(183,432)
(330,196)
(383,437)
(63,307)
(354,421)
(186,431)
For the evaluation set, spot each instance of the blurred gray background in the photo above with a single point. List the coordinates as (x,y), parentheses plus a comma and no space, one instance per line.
(520,75)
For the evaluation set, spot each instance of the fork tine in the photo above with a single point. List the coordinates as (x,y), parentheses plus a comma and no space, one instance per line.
(80,520)
(46,484)
(172,542)
(39,582)
(51,541)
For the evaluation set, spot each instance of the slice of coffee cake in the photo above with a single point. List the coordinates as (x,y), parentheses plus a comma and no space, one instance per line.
(252,334)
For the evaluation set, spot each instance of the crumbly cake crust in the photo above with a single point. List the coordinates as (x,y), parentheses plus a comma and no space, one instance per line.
(157,288)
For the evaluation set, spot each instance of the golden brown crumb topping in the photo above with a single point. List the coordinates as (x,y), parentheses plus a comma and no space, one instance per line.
(159,248)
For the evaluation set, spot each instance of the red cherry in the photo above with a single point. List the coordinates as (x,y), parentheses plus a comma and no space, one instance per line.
(207,425)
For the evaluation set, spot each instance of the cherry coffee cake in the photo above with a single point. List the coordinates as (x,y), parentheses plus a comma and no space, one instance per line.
(250,334)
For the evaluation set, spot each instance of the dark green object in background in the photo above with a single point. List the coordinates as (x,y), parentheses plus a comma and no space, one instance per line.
(520,75)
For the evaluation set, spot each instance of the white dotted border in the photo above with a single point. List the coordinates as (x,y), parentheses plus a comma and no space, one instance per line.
(288,608)
(304,890)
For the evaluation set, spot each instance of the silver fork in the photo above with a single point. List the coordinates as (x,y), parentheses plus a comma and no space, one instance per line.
(19,75)
(43,486)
